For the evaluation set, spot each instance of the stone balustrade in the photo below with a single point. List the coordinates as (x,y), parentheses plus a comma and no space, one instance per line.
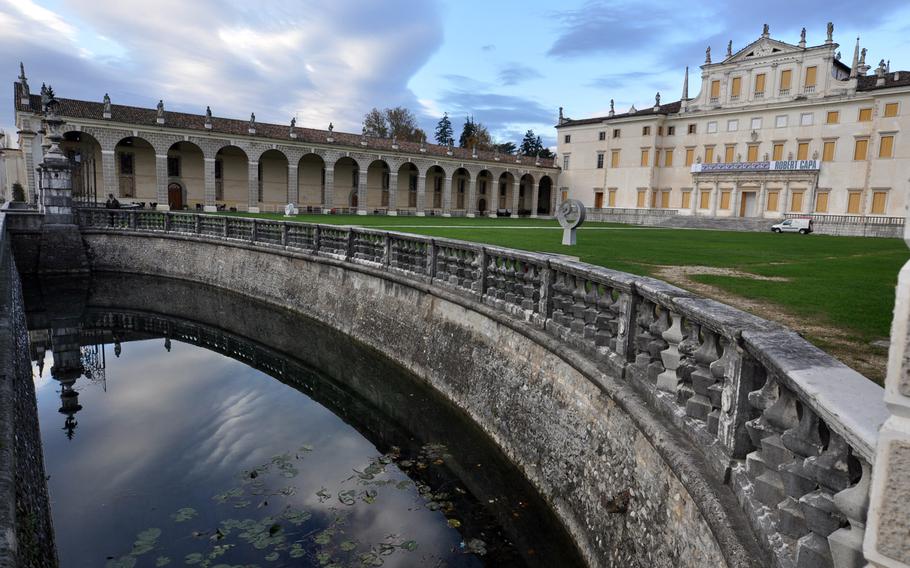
(789,429)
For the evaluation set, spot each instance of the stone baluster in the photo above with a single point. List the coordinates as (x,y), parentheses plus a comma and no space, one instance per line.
(722,371)
(590,313)
(802,441)
(668,381)
(779,414)
(699,405)
(846,543)
(644,317)
(562,300)
(604,322)
(658,326)
(579,292)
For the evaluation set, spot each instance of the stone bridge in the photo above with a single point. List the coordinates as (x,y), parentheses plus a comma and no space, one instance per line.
(663,428)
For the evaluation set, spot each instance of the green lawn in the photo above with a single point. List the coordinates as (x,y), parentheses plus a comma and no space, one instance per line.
(845,282)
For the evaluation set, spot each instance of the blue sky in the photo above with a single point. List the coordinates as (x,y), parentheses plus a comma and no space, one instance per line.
(509,64)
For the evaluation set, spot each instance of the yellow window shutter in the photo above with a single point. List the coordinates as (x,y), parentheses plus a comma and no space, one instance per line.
(886,147)
(736,87)
(728,154)
(690,156)
(785,76)
(715,89)
(853,202)
(828,152)
(802,151)
(833,117)
(810,76)
(760,83)
(891,109)
(861,149)
(752,155)
(821,202)
(778,153)
(709,154)
(878,202)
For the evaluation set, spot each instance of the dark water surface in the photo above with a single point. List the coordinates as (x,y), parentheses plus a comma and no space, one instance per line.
(184,425)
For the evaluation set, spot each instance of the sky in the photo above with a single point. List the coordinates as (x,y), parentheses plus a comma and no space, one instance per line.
(508,64)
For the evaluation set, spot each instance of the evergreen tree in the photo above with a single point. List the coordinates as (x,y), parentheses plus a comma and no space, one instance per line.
(468,133)
(505,148)
(444,133)
(530,144)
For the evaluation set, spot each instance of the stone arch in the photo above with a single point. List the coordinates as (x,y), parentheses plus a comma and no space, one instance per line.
(525,194)
(485,192)
(311,182)
(461,182)
(135,169)
(435,187)
(232,178)
(545,196)
(408,183)
(505,185)
(347,180)
(273,179)
(378,180)
(84,153)
(186,167)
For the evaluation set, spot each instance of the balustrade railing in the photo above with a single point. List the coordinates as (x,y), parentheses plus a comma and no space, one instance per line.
(737,386)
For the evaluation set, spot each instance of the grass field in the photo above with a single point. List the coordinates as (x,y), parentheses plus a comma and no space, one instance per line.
(817,283)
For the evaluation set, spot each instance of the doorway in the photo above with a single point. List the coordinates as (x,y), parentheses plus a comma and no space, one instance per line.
(175,196)
(747,204)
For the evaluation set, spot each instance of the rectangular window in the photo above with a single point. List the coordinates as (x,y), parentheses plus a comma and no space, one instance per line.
(728,154)
(660,130)
(709,154)
(616,132)
(601,135)
(821,202)
(810,76)
(668,158)
(640,201)
(777,152)
(760,85)
(218,169)
(565,162)
(671,131)
(725,200)
(806,119)
(773,199)
(752,154)
(664,199)
(712,127)
(568,138)
(654,199)
(704,199)
(715,90)
(126,164)
(780,121)
(692,128)
(614,159)
(686,199)
(173,166)
(890,109)
(600,161)
(833,117)
(736,87)
(645,130)
(854,200)
(860,150)
(785,79)
(690,156)
(879,198)
(828,151)
(645,157)
(732,125)
(865,115)
(598,200)
(802,151)
(756,123)
(611,198)
(886,146)
(796,202)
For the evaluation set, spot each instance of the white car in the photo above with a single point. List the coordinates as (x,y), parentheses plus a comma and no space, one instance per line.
(801,226)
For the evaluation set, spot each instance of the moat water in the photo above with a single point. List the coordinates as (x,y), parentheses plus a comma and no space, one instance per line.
(184,425)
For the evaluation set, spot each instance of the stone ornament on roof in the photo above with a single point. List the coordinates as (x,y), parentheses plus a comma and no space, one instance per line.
(293,130)
(802,38)
(657,101)
(208,117)
(25,94)
(612,109)
(730,48)
(830,38)
(330,138)
(766,31)
(252,127)
(160,107)
(708,54)
(106,111)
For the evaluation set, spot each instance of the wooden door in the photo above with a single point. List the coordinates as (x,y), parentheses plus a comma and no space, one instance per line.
(175,196)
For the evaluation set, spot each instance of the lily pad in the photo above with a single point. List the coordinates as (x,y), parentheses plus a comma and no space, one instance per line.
(184,514)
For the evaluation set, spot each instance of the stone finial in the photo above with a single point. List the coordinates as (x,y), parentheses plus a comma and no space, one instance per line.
(830,38)
(25,94)
(837,56)
(802,38)
(632,109)
(657,100)
(766,31)
(44,97)
(330,138)
(22,78)
(708,54)
(474,151)
(293,130)
(450,150)
(252,127)
(331,127)
(888,66)
(363,136)
(730,48)
(160,117)
(395,144)
(53,127)
(208,117)
(612,108)
(106,111)
(423,144)
(685,91)
(854,68)
(561,117)
(880,74)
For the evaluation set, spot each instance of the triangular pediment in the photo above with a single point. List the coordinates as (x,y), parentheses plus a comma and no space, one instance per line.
(762,47)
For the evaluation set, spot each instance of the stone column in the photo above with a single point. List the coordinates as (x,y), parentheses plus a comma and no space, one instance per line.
(555,193)
(447,196)
(161,182)
(715,198)
(329,189)
(109,173)
(209,176)
(762,198)
(535,195)
(734,202)
(516,188)
(813,187)
(393,194)
(696,190)
(253,171)
(421,194)
(785,201)
(888,522)
(29,140)
(471,205)
(293,189)
(362,191)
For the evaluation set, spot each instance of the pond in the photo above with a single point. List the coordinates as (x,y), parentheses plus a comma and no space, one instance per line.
(184,425)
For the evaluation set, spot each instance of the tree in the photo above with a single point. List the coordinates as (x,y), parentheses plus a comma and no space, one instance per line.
(398,122)
(475,134)
(468,132)
(505,148)
(530,144)
(18,192)
(444,133)
(546,153)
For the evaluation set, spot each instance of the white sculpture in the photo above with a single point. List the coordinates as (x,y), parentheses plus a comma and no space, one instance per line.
(290,210)
(571,215)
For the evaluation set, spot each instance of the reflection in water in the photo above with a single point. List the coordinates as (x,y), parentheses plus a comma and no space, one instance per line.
(180,447)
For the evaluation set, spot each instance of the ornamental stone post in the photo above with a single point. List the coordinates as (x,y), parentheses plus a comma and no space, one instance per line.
(161,182)
(887,538)
(447,197)
(293,197)
(516,191)
(421,194)
(328,188)
(471,205)
(109,173)
(209,175)
(253,175)
(362,191)
(393,194)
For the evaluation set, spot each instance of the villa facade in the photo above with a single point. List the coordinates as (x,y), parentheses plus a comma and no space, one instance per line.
(776,129)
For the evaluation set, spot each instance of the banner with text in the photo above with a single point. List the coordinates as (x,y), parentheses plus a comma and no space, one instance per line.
(773,166)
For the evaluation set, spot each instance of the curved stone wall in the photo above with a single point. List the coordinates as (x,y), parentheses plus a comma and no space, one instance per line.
(665,429)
